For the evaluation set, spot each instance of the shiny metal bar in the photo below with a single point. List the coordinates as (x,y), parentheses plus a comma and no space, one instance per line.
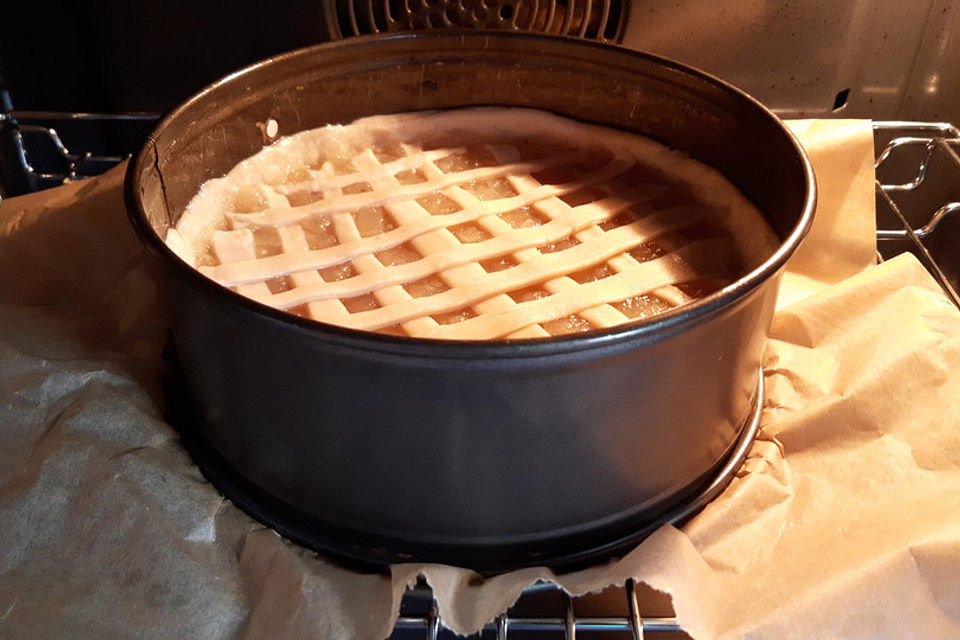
(925,230)
(636,621)
(587,7)
(942,129)
(919,248)
(570,622)
(21,115)
(433,622)
(604,18)
(571,9)
(513,625)
(502,623)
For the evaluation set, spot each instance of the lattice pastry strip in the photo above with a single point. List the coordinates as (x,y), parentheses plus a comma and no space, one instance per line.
(337,202)
(326,179)
(273,266)
(406,212)
(497,226)
(565,242)
(644,277)
(392,296)
(561,226)
(528,273)
(493,225)
(442,240)
(292,239)
(254,270)
(237,246)
(602,315)
(572,219)
(346,229)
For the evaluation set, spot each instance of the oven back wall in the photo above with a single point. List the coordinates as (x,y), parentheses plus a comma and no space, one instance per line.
(116,55)
(885,59)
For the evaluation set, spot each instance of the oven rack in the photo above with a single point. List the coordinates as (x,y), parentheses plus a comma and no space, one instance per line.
(544,610)
(44,149)
(917,197)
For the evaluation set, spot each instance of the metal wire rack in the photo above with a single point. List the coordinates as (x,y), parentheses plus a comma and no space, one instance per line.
(917,195)
(43,149)
(545,611)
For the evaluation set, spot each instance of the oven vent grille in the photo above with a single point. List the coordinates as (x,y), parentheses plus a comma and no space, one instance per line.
(600,20)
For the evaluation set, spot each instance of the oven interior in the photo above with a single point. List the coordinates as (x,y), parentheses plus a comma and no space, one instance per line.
(71,107)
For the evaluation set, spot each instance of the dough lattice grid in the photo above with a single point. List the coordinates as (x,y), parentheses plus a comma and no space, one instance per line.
(420,270)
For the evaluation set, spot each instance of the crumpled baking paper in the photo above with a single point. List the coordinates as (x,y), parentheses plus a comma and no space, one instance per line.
(843,522)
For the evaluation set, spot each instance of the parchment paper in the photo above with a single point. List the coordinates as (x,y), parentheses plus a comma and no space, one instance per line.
(844,522)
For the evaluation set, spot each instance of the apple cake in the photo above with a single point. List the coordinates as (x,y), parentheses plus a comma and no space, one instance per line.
(472,224)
